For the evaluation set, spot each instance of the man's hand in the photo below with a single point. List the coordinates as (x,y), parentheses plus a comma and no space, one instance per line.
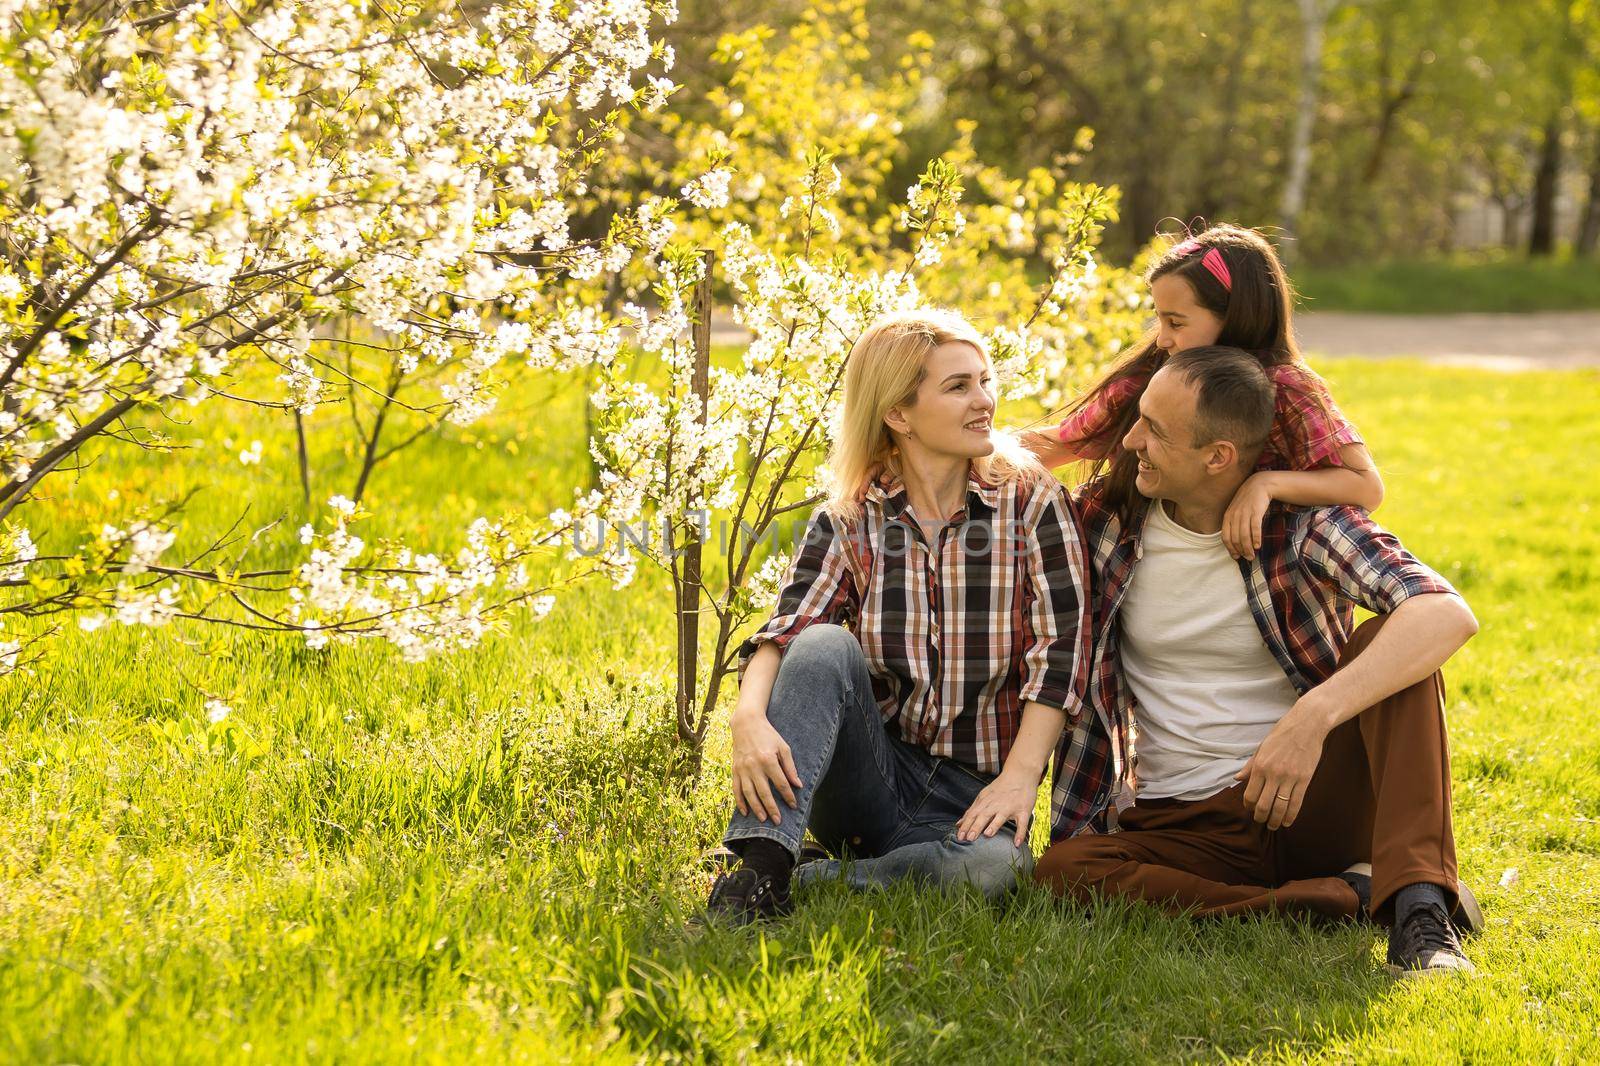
(1241,523)
(762,764)
(1280,770)
(1007,798)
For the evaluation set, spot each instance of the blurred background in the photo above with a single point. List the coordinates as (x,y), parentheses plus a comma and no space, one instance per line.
(1459,140)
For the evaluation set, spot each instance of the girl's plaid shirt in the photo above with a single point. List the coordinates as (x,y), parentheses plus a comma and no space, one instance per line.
(1315,566)
(1309,431)
(959,633)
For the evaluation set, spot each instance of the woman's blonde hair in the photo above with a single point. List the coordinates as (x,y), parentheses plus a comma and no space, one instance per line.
(885,367)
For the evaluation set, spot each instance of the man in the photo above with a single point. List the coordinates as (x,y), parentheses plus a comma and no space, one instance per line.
(1282,763)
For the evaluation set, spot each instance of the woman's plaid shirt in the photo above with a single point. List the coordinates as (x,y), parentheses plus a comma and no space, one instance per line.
(960,633)
(1315,566)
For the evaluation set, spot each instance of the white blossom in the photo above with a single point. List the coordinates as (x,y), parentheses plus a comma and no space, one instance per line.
(175,176)
(135,607)
(17,550)
(710,189)
(145,543)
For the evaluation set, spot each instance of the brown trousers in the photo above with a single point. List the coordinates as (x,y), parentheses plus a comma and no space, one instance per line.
(1381,794)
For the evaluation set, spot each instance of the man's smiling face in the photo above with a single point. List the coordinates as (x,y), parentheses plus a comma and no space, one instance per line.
(1170,465)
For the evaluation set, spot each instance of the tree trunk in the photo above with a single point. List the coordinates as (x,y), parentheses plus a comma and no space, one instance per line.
(1215,200)
(1386,121)
(370,457)
(1542,236)
(1589,228)
(1140,212)
(1313,20)
(1509,210)
(303,455)
(1141,200)
(688,582)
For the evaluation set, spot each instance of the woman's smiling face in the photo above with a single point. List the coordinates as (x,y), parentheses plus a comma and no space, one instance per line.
(1181,323)
(953,411)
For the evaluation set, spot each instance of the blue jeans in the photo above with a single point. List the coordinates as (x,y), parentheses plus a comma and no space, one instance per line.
(888,808)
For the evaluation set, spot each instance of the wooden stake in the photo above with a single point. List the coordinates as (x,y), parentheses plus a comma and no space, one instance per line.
(689,585)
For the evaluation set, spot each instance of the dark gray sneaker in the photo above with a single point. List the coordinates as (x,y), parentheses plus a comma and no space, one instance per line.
(1468,916)
(742,896)
(1425,942)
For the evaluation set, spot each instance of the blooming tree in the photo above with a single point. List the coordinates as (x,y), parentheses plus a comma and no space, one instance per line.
(196,198)
(809,246)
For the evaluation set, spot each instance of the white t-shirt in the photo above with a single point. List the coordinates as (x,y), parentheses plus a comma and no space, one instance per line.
(1207,688)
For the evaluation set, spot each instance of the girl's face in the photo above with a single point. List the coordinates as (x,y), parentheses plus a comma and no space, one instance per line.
(952,413)
(1181,323)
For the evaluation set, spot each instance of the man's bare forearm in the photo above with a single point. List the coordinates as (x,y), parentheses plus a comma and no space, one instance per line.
(1417,639)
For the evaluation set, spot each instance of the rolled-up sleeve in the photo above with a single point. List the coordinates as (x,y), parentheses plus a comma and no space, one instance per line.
(1055,659)
(818,587)
(1367,563)
(1090,431)
(1309,432)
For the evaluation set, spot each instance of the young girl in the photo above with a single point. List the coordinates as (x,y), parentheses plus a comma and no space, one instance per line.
(1225,286)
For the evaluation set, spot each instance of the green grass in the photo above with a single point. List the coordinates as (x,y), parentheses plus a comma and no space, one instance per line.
(490,855)
(1495,284)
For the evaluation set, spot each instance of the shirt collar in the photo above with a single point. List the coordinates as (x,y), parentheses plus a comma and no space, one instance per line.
(890,493)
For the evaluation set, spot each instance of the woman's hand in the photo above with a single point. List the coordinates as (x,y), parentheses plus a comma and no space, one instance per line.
(1008,798)
(1241,523)
(762,764)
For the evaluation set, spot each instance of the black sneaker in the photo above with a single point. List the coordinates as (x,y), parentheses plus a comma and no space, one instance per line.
(742,896)
(1468,916)
(1425,942)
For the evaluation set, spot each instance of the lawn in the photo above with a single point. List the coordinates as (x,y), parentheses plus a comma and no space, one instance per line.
(490,855)
(1495,283)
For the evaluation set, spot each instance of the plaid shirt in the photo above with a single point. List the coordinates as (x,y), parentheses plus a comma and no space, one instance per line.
(1308,429)
(959,634)
(1314,567)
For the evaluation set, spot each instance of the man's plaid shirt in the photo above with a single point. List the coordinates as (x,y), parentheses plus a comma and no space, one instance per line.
(1315,565)
(957,634)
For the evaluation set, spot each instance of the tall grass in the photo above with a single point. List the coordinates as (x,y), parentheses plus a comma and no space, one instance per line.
(493,855)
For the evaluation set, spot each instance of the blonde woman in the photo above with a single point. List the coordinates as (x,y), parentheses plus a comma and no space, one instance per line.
(929,642)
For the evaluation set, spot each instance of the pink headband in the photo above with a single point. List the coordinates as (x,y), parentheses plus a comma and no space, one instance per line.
(1212,261)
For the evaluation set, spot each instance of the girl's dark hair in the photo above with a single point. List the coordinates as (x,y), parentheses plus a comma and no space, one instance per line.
(1257,316)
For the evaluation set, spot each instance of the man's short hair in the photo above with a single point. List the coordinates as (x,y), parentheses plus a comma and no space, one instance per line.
(1235,400)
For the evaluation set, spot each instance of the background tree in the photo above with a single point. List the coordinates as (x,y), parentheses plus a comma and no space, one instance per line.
(189,193)
(1194,108)
(1308,86)
(786,183)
